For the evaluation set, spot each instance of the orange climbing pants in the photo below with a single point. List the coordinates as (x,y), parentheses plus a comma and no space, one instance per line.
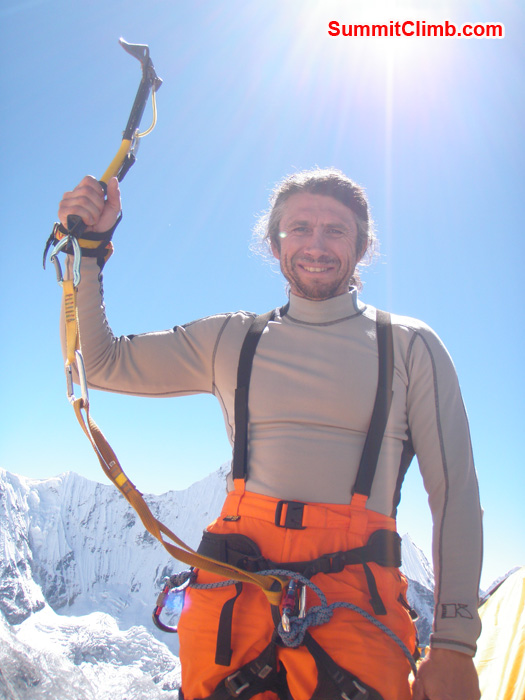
(352,641)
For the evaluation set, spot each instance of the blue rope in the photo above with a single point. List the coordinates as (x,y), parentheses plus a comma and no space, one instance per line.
(316,615)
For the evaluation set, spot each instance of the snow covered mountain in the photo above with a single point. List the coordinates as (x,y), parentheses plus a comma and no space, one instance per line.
(55,657)
(79,577)
(415,564)
(78,546)
(420,592)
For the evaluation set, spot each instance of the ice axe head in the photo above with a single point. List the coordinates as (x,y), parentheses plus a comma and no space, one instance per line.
(141,53)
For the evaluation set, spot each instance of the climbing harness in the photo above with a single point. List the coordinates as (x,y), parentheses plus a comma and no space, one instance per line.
(292,620)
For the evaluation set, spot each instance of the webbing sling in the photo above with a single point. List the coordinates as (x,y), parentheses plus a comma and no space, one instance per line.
(272,586)
(334,680)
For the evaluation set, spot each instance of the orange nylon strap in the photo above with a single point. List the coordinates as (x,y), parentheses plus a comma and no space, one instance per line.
(272,586)
(70,309)
(236,496)
(359,518)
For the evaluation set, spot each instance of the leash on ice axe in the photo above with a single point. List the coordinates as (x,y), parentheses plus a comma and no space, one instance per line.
(76,241)
(74,238)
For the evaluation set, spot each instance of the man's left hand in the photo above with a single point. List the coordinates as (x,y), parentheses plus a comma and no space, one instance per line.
(446,675)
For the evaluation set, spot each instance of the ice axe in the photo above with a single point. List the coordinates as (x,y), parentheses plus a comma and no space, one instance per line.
(125,157)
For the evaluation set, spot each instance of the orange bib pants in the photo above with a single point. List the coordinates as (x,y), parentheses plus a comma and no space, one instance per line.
(352,641)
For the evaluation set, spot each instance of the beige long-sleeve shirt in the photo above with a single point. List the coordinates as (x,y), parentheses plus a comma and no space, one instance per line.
(312,391)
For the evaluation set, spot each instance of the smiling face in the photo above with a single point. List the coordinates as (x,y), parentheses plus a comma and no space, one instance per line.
(317,246)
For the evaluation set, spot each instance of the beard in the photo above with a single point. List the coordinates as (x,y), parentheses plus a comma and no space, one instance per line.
(316,289)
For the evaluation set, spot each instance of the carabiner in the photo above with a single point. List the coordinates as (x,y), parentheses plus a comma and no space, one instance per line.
(79,363)
(173,592)
(77,258)
(294,602)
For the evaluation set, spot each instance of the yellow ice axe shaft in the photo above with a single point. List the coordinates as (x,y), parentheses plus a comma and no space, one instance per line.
(125,157)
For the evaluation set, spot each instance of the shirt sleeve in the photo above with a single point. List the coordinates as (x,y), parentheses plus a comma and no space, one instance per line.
(176,361)
(441,439)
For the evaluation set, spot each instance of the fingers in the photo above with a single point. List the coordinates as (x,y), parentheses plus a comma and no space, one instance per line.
(113,195)
(88,201)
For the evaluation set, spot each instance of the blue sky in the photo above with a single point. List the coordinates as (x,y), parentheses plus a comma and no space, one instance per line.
(432,128)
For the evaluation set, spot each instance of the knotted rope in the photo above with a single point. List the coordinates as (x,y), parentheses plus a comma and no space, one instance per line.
(317,615)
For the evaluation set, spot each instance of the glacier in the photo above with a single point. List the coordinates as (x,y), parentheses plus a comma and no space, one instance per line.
(79,578)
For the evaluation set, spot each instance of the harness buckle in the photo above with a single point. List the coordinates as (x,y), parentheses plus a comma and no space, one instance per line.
(337,562)
(362,693)
(236,684)
(294,515)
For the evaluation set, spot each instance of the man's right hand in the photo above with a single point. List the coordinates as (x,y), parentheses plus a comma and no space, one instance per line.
(87,200)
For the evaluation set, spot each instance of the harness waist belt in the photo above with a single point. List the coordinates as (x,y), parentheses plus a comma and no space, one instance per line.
(383,548)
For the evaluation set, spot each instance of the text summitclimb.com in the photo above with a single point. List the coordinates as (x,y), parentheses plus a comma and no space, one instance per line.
(418,28)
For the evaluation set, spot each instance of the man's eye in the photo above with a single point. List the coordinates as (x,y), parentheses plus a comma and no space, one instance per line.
(336,232)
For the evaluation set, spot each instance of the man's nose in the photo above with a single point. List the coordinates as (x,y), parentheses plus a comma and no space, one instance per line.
(316,240)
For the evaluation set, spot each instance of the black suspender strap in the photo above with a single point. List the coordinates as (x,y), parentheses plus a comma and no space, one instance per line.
(244,371)
(383,400)
(374,438)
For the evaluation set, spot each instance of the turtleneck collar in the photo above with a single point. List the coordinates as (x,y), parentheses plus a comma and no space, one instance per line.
(331,310)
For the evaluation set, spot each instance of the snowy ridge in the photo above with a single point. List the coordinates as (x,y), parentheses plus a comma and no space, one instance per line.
(415,564)
(496,584)
(86,549)
(420,592)
(19,594)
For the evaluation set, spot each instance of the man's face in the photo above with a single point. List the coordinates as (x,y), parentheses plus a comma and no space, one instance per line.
(318,241)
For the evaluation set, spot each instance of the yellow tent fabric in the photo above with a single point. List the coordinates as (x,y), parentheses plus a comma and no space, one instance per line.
(500,659)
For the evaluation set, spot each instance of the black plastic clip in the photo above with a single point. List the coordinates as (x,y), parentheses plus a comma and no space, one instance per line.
(294,515)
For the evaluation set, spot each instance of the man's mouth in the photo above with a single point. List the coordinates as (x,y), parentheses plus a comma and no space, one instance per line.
(315,268)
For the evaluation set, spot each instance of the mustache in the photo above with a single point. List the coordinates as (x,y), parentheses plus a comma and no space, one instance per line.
(320,259)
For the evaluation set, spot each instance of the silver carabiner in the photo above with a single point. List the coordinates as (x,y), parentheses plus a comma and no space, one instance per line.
(77,258)
(135,143)
(79,363)
(302,602)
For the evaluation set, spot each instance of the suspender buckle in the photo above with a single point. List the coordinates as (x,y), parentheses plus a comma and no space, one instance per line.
(293,518)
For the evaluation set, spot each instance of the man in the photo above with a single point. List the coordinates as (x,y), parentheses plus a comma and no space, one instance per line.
(312,395)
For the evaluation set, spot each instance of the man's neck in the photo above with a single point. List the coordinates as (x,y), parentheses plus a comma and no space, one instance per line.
(334,309)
